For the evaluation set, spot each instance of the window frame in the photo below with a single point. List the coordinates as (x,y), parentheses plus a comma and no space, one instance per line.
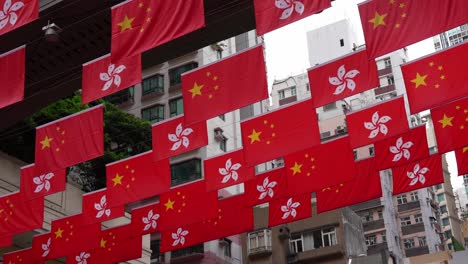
(156,89)
(371,240)
(414,197)
(402,199)
(281,94)
(265,234)
(158,107)
(175,101)
(405,221)
(188,178)
(410,242)
(175,74)
(418,218)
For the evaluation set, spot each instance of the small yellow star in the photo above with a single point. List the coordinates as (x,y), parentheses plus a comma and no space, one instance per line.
(397,25)
(431,63)
(46,142)
(403,15)
(442,77)
(140,5)
(419,80)
(465,149)
(392,2)
(440,68)
(196,90)
(255,136)
(402,5)
(117,179)
(126,23)
(169,204)
(59,233)
(210,96)
(437,86)
(378,20)
(103,243)
(296,168)
(446,121)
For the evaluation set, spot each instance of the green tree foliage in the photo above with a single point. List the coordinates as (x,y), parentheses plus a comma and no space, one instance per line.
(457,246)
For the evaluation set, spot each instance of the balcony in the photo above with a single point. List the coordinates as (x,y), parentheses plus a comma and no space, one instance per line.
(411,229)
(385,71)
(261,251)
(288,100)
(384,89)
(188,254)
(372,225)
(121,98)
(417,251)
(366,205)
(377,248)
(408,206)
(317,255)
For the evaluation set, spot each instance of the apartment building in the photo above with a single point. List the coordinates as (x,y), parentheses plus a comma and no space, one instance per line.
(450,38)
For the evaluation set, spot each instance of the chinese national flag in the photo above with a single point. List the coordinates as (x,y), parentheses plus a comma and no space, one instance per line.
(364,187)
(270,15)
(417,175)
(118,244)
(70,140)
(138,26)
(101,77)
(36,185)
(18,215)
(436,79)
(136,178)
(6,241)
(265,187)
(290,209)
(19,257)
(226,170)
(16,14)
(173,137)
(12,75)
(280,132)
(451,125)
(378,122)
(224,86)
(187,204)
(462,160)
(341,78)
(315,168)
(145,219)
(97,208)
(407,22)
(401,149)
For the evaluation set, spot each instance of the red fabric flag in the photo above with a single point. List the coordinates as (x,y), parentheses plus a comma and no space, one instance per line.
(364,187)
(138,26)
(451,125)
(173,137)
(341,78)
(136,178)
(6,241)
(401,149)
(19,257)
(97,208)
(289,209)
(12,75)
(224,86)
(436,79)
(145,219)
(187,204)
(417,175)
(17,215)
(315,168)
(83,257)
(101,77)
(17,13)
(118,244)
(226,170)
(401,22)
(70,140)
(41,246)
(377,122)
(280,132)
(270,15)
(267,186)
(462,160)
(34,185)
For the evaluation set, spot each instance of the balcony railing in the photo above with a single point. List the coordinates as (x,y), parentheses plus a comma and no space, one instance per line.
(371,250)
(384,89)
(417,251)
(122,97)
(408,206)
(372,225)
(186,254)
(366,205)
(288,100)
(385,71)
(411,229)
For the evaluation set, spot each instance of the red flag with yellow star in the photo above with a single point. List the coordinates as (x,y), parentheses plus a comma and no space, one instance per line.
(187,204)
(405,22)
(36,185)
(289,209)
(436,79)
(224,86)
(139,25)
(118,244)
(135,178)
(315,168)
(96,207)
(280,132)
(70,140)
(23,256)
(364,187)
(462,160)
(451,125)
(12,73)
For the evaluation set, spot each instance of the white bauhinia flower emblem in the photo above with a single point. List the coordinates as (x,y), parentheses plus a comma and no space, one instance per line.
(8,14)
(289,209)
(82,258)
(377,125)
(101,207)
(46,248)
(43,182)
(150,220)
(343,80)
(180,137)
(266,188)
(230,171)
(111,76)
(179,237)
(289,6)
(417,175)
(401,149)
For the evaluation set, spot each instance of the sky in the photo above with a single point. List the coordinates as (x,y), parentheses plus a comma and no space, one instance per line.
(286,51)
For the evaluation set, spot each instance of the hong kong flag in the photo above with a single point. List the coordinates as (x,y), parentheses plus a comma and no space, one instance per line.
(342,77)
(83,257)
(145,219)
(417,175)
(16,13)
(41,247)
(289,209)
(401,149)
(97,208)
(12,74)
(462,160)
(265,187)
(34,185)
(226,170)
(101,77)
(378,122)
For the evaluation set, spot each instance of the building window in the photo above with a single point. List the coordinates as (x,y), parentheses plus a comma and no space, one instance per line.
(222,117)
(384,238)
(390,80)
(450,246)
(341,42)
(227,245)
(371,240)
(414,196)
(200,248)
(387,62)
(155,253)
(153,114)
(448,234)
(371,151)
(153,84)
(296,242)
(259,241)
(307,86)
(443,209)
(380,214)
(445,222)
(120,97)
(329,237)
(293,91)
(440,197)
(405,221)
(281,94)
(422,241)
(367,218)
(329,107)
(409,243)
(438,186)
(310,240)
(176,107)
(185,171)
(355,154)
(175,74)
(222,144)
(418,218)
(219,54)
(401,199)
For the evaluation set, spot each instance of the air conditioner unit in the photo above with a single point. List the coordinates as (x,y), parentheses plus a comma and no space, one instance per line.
(279,162)
(218,134)
(283,233)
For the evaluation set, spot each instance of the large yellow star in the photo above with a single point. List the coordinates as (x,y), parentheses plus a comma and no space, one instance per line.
(103,243)
(46,142)
(196,90)
(126,23)
(378,20)
(465,149)
(446,121)
(255,136)
(58,233)
(296,168)
(169,204)
(419,80)
(117,179)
